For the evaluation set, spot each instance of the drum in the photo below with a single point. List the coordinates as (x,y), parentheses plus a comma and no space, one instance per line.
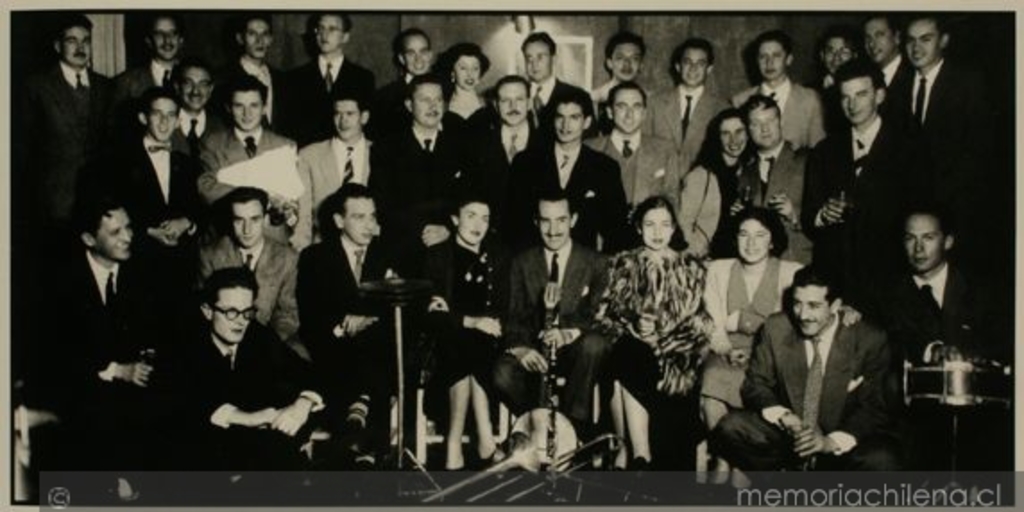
(958,383)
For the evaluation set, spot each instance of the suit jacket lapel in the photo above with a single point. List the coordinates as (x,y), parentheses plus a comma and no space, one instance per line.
(794,369)
(953,298)
(837,376)
(572,282)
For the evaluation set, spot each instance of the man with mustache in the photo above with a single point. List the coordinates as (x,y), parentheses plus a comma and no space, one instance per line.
(65,113)
(253,35)
(813,390)
(803,122)
(194,86)
(420,167)
(307,96)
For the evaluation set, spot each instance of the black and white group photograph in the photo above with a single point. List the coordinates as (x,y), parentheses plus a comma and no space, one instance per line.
(280,257)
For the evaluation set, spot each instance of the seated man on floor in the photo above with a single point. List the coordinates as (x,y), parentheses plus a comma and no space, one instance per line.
(813,390)
(246,399)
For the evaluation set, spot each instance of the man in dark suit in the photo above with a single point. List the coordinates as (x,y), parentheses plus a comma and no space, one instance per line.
(837,46)
(326,165)
(245,400)
(589,179)
(546,90)
(500,145)
(938,313)
(165,40)
(194,86)
(65,116)
(953,120)
(347,337)
(254,33)
(94,368)
(413,56)
(812,393)
(682,113)
(882,42)
(275,264)
(775,179)
(158,187)
(247,139)
(856,181)
(579,274)
(420,167)
(311,87)
(803,121)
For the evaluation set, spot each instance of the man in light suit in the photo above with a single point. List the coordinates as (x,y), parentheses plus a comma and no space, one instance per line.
(590,179)
(648,164)
(580,275)
(274,264)
(682,113)
(310,89)
(65,115)
(246,139)
(194,85)
(812,393)
(775,179)
(326,165)
(803,121)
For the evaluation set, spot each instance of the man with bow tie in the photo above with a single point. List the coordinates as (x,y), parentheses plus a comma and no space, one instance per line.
(813,391)
(856,181)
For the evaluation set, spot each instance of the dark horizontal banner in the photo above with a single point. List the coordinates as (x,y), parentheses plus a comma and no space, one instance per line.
(74,490)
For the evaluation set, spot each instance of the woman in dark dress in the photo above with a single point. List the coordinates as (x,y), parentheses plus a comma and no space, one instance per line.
(464,65)
(470,275)
(653,309)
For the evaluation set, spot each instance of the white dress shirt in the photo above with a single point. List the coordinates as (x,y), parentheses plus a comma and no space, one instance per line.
(563,260)
(937,282)
(889,71)
(565,165)
(929,84)
(360,173)
(101,274)
(71,76)
(185,122)
(781,93)
(161,161)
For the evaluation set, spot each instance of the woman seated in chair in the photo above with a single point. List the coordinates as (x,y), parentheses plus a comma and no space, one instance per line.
(469,275)
(741,292)
(653,309)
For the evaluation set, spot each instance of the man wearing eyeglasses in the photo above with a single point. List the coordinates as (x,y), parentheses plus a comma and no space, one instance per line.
(308,107)
(246,400)
(274,263)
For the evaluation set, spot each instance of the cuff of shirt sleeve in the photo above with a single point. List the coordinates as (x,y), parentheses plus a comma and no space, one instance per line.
(774,413)
(221,417)
(574,334)
(844,442)
(819,220)
(313,396)
(927,355)
(108,374)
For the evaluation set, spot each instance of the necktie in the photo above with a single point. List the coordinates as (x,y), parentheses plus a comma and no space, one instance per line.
(167,78)
(229,358)
(538,104)
(358,271)
(79,85)
(511,150)
(626,150)
(553,276)
(250,146)
(922,88)
(350,169)
(686,115)
(193,138)
(155,148)
(860,145)
(111,294)
(426,145)
(563,171)
(812,389)
(249,261)
(328,78)
(929,300)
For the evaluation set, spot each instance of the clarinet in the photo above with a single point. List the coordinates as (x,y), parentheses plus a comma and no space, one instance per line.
(552,296)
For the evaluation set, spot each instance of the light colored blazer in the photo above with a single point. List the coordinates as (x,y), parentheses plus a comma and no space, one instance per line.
(803,120)
(321,177)
(716,293)
(664,120)
(652,170)
(700,206)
